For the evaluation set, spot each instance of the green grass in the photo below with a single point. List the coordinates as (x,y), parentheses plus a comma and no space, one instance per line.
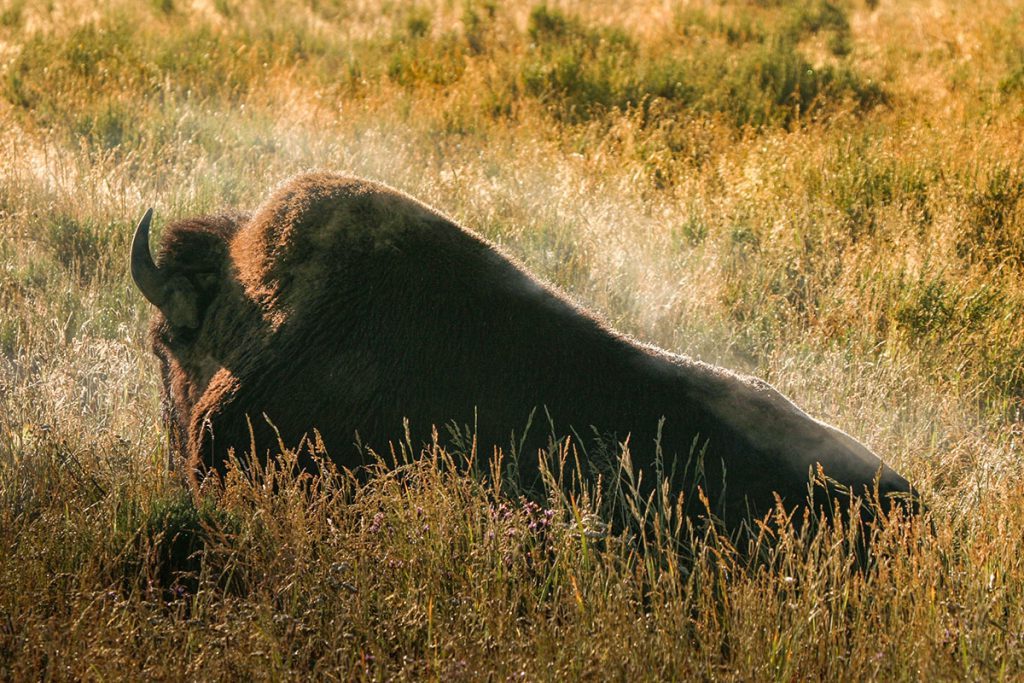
(829,195)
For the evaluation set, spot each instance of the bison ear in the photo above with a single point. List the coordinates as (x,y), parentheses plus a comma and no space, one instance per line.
(175,295)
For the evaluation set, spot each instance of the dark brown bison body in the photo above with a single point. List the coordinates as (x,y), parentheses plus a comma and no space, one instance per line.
(346,306)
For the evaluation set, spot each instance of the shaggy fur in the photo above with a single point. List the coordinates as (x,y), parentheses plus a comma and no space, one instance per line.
(346,306)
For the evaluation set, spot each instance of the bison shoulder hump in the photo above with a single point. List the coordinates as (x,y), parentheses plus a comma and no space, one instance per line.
(318,213)
(317,221)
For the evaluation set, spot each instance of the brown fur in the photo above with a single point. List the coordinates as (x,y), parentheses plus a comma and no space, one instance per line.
(346,306)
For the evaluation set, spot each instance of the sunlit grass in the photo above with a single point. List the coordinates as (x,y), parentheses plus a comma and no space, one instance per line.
(829,195)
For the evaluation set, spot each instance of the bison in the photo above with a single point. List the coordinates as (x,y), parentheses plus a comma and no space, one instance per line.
(348,307)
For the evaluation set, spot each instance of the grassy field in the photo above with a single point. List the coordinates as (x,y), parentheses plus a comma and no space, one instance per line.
(827,195)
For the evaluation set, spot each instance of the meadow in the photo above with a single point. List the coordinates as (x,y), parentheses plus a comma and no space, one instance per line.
(829,195)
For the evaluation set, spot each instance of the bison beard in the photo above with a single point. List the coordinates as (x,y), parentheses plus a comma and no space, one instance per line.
(346,306)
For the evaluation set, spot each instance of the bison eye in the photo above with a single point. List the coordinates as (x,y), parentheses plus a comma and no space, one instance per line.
(178,339)
(207,281)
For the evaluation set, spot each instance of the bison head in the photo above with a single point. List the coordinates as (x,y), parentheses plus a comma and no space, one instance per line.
(200,312)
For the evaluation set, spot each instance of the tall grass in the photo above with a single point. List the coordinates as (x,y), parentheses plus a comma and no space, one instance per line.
(828,194)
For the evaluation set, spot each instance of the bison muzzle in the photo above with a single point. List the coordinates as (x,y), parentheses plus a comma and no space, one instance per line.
(348,307)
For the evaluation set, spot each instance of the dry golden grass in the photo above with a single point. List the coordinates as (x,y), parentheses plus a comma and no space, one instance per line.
(863,251)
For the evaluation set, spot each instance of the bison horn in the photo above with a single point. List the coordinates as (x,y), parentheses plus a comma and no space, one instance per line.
(144,271)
